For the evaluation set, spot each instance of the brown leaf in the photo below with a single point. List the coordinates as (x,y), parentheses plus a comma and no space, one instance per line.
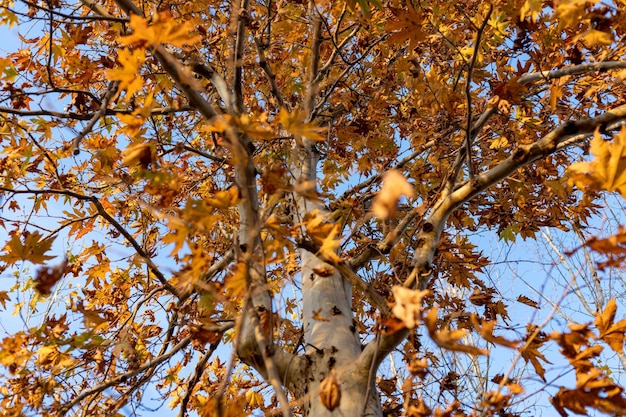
(525,300)
(330,392)
(394,187)
(48,276)
(612,333)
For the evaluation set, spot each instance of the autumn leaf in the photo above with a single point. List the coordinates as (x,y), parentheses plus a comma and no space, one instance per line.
(449,339)
(324,234)
(140,154)
(164,29)
(394,187)
(530,350)
(607,171)
(612,333)
(4,297)
(593,37)
(531,8)
(48,276)
(406,25)
(408,306)
(486,328)
(297,126)
(32,249)
(525,300)
(129,75)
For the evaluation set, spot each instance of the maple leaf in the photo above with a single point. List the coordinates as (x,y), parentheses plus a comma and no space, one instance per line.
(295,123)
(530,350)
(323,234)
(394,187)
(531,8)
(407,25)
(612,333)
(163,30)
(408,306)
(128,74)
(48,276)
(449,339)
(32,249)
(607,171)
(4,297)
(594,37)
(485,328)
(140,154)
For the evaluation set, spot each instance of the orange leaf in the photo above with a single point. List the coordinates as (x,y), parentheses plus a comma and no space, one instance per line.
(612,333)
(394,187)
(607,171)
(448,339)
(32,249)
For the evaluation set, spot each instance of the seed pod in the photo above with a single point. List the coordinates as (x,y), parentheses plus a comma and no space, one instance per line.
(330,392)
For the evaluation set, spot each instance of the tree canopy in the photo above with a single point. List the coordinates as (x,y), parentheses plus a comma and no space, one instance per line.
(225,208)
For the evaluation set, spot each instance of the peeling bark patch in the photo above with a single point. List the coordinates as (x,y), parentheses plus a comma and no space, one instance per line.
(335,311)
(420,242)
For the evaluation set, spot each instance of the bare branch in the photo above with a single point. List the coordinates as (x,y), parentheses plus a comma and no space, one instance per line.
(242,19)
(271,78)
(123,377)
(88,116)
(573,70)
(468,94)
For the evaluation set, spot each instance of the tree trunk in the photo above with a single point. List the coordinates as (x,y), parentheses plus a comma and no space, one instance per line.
(331,339)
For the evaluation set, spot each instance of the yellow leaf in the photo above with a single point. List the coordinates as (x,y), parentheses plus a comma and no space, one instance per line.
(531,8)
(330,245)
(612,333)
(296,125)
(224,199)
(137,155)
(593,37)
(32,249)
(164,29)
(499,143)
(607,171)
(128,74)
(254,399)
(394,187)
(408,307)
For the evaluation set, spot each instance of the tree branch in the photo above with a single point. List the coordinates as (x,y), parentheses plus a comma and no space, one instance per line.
(123,377)
(468,94)
(111,90)
(573,70)
(242,19)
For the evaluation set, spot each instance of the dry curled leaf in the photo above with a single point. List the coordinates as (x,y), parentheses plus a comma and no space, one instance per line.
(408,307)
(394,187)
(330,392)
(48,276)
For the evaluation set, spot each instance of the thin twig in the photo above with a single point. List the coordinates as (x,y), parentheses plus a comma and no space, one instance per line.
(468,93)
(124,377)
(110,92)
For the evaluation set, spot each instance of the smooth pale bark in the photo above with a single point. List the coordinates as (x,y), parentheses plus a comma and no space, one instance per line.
(330,334)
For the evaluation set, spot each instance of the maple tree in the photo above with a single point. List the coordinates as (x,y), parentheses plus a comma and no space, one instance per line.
(264,207)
